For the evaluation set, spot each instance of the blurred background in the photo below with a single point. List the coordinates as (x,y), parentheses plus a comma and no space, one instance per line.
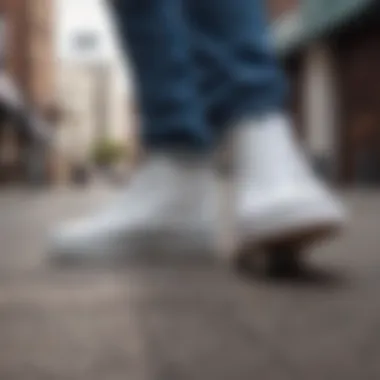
(63,59)
(68,121)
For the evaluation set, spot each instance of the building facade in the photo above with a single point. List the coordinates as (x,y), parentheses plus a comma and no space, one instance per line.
(27,59)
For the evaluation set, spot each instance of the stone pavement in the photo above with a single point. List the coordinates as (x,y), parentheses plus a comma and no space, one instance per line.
(183,323)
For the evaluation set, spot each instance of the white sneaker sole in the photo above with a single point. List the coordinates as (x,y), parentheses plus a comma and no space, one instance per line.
(296,224)
(146,247)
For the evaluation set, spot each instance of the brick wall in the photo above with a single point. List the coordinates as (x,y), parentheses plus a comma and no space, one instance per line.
(278,7)
(29,59)
(29,47)
(42,65)
(13,13)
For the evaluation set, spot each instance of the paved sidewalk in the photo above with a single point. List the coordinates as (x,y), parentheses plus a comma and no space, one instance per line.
(177,323)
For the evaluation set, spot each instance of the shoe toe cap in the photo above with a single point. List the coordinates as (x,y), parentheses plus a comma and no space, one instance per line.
(70,242)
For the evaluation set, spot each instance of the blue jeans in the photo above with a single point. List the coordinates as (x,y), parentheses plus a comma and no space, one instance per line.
(200,65)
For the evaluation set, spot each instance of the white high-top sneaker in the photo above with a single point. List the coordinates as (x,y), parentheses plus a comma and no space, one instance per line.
(168,210)
(279,199)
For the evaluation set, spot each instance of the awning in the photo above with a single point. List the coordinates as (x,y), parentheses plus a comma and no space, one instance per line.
(314,19)
(323,16)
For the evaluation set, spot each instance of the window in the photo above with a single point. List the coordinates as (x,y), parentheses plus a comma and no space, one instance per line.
(86,41)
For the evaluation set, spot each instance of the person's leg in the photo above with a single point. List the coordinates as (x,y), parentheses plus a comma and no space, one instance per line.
(171,197)
(279,198)
(238,73)
(155,35)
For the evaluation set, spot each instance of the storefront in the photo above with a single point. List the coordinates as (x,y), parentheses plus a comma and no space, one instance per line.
(332,53)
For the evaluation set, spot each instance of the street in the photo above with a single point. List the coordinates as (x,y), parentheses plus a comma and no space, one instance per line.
(183,322)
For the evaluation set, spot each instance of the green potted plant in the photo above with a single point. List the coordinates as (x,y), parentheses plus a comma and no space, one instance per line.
(108,153)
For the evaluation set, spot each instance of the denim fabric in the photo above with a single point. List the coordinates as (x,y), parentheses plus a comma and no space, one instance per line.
(200,65)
